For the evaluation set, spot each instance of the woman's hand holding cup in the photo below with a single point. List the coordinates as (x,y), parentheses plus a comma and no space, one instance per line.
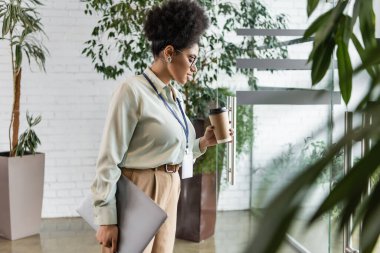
(221,125)
(219,131)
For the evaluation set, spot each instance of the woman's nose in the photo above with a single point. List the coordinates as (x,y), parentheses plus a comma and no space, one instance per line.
(194,68)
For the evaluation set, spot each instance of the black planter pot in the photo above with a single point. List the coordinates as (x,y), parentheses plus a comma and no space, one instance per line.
(196,213)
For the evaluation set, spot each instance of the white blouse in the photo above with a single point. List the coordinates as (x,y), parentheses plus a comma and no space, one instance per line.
(140,132)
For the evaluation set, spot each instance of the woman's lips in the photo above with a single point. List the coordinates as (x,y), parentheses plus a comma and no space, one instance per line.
(190,77)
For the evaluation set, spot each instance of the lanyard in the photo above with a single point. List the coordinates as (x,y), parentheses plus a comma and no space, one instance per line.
(184,127)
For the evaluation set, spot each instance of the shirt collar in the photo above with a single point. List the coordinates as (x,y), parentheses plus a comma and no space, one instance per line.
(161,86)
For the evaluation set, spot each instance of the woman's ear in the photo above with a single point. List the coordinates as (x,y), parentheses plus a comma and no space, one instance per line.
(168,53)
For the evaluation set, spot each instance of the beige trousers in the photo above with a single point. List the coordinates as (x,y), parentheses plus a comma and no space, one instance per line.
(164,189)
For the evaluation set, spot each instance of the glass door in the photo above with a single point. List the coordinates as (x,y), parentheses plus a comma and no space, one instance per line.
(289,136)
(282,127)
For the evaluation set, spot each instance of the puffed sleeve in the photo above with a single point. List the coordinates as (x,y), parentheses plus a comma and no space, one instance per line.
(121,120)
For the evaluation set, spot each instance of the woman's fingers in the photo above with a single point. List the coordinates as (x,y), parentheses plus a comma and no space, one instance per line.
(107,250)
(107,244)
(114,245)
(107,236)
(210,128)
(100,237)
(97,236)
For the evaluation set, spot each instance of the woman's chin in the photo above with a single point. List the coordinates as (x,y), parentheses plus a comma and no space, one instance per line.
(185,80)
(181,82)
(189,78)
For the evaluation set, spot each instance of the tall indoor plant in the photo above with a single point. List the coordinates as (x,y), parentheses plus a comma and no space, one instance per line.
(217,55)
(21,169)
(333,34)
(119,29)
(20,25)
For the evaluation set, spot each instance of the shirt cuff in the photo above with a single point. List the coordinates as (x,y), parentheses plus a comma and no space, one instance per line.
(105,215)
(196,149)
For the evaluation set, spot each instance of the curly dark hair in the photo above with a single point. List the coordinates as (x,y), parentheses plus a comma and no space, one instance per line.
(179,23)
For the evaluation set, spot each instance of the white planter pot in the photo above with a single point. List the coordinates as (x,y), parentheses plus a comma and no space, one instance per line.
(21,193)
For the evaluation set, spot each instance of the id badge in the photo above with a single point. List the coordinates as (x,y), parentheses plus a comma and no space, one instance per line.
(187,165)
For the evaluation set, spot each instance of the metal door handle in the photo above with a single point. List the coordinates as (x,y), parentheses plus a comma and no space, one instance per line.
(231,146)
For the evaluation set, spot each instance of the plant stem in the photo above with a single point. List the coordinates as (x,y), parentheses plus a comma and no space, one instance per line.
(13,76)
(16,109)
(15,115)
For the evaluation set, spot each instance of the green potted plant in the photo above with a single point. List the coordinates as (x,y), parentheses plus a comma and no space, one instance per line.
(21,168)
(217,56)
(333,31)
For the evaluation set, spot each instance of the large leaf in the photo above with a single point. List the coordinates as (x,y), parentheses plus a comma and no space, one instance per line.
(317,24)
(325,32)
(325,29)
(7,22)
(344,70)
(344,29)
(370,58)
(311,5)
(355,12)
(361,53)
(342,37)
(321,60)
(367,23)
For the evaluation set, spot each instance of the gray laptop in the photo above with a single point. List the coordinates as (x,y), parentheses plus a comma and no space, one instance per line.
(139,218)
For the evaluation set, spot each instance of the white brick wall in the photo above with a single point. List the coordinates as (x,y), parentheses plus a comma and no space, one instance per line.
(73,101)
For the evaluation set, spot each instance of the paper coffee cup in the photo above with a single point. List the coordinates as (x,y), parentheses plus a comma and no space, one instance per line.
(219,119)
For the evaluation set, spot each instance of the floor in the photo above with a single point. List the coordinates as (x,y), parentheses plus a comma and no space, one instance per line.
(234,231)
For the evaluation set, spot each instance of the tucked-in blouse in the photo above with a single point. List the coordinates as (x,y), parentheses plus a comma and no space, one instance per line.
(139,133)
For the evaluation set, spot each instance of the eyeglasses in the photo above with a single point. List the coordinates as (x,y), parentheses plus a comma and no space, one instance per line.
(194,59)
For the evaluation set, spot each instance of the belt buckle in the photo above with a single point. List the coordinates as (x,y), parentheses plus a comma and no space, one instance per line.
(167,170)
